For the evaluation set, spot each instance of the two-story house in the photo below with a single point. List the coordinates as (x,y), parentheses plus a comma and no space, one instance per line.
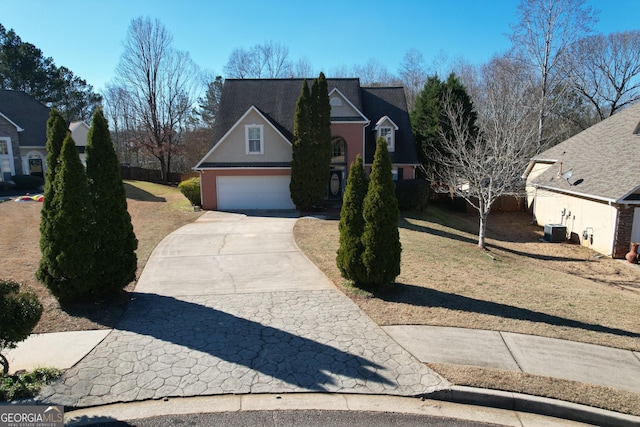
(249,166)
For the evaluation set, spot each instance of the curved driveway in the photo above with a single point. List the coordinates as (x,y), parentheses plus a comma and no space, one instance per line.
(227,305)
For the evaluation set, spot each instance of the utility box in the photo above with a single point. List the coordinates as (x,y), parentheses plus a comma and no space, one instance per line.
(555,233)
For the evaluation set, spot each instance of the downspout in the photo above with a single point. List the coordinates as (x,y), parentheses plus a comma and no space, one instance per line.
(615,230)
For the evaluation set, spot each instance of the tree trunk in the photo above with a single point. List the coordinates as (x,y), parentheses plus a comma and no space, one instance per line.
(483,228)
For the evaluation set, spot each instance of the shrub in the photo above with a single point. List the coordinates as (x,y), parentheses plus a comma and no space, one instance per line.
(19,314)
(27,182)
(349,257)
(115,243)
(412,194)
(191,190)
(67,247)
(6,186)
(380,239)
(23,386)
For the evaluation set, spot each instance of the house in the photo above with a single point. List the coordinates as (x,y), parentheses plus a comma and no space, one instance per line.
(249,166)
(23,135)
(80,133)
(590,184)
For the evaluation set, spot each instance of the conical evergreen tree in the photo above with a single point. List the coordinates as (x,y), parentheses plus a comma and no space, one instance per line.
(56,133)
(349,258)
(302,155)
(322,139)
(67,252)
(115,242)
(381,239)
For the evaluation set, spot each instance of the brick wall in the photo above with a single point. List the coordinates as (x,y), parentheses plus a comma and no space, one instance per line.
(622,238)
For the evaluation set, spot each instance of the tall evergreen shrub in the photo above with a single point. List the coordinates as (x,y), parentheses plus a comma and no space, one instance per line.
(302,155)
(68,249)
(56,133)
(351,226)
(114,241)
(381,239)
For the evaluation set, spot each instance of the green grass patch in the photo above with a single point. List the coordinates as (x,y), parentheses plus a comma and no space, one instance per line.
(28,384)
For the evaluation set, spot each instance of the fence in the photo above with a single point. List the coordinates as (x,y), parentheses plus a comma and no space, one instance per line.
(152,175)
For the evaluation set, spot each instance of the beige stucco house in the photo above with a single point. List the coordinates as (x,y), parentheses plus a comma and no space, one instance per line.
(249,166)
(590,183)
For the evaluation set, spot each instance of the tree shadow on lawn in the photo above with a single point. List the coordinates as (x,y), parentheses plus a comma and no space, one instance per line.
(137,193)
(294,359)
(448,235)
(426,297)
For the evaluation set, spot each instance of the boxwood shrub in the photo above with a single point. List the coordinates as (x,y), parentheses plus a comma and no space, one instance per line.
(27,182)
(191,190)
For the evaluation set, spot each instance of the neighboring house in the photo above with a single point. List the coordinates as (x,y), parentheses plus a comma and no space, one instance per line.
(23,135)
(590,183)
(249,166)
(80,133)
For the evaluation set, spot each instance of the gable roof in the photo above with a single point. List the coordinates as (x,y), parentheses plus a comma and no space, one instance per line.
(276,100)
(390,102)
(605,157)
(28,114)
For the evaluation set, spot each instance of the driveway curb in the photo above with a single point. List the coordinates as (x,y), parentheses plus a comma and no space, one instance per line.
(534,404)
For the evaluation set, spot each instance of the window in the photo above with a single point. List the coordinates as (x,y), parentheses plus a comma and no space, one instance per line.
(338,150)
(4,148)
(254,139)
(387,133)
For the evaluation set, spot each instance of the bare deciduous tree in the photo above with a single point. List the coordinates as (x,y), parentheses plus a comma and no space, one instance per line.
(413,75)
(160,83)
(373,73)
(482,168)
(605,70)
(545,29)
(268,60)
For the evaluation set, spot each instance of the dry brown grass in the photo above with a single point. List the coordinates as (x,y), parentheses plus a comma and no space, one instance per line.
(520,285)
(156,210)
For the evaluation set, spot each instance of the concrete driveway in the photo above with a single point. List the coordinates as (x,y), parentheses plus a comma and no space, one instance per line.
(229,305)
(230,253)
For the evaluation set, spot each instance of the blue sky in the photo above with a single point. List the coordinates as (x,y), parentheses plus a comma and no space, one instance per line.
(86,35)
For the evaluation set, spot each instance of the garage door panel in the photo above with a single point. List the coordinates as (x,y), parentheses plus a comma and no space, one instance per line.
(253,192)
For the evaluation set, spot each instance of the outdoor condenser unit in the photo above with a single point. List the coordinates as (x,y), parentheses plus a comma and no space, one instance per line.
(555,233)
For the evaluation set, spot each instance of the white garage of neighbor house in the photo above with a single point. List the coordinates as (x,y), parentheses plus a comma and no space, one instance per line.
(590,184)
(249,166)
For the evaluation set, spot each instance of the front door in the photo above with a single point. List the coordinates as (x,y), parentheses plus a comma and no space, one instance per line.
(35,167)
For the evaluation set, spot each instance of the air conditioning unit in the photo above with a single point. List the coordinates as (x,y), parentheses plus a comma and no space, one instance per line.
(555,233)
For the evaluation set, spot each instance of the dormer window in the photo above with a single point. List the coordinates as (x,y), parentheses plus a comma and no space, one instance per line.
(386,128)
(254,139)
(386,132)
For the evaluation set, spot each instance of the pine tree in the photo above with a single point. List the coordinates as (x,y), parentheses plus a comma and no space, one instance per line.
(381,239)
(349,258)
(114,240)
(302,157)
(68,250)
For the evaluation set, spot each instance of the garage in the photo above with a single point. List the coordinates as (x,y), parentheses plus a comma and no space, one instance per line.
(253,192)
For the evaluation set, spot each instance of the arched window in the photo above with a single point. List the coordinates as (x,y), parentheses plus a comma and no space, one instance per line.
(338,151)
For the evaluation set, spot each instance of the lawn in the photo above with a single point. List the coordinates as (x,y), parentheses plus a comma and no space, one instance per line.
(156,210)
(519,285)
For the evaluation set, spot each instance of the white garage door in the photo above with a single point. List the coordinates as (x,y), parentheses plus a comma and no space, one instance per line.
(254,192)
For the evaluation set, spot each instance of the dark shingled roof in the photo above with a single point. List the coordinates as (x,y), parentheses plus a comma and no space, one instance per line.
(27,113)
(276,99)
(389,101)
(605,157)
